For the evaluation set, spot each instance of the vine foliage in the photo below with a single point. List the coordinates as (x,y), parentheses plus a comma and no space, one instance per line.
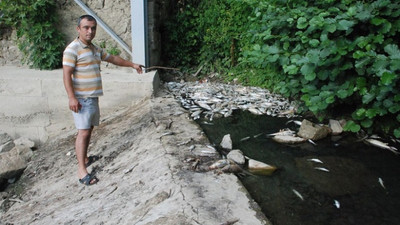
(36,26)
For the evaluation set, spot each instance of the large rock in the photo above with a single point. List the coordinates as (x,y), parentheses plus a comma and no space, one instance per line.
(6,142)
(260,168)
(13,162)
(236,156)
(309,130)
(226,142)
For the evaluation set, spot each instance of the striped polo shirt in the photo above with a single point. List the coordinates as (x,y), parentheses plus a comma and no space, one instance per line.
(85,59)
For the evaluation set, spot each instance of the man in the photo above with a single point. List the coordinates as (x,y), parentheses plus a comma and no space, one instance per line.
(82,81)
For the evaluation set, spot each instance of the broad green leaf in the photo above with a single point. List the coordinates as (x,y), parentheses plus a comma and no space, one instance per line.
(395,64)
(302,23)
(257,47)
(393,51)
(361,82)
(377,21)
(396,98)
(308,71)
(395,108)
(358,54)
(342,94)
(371,113)
(330,100)
(345,25)
(330,28)
(396,133)
(272,49)
(363,15)
(380,64)
(323,75)
(313,56)
(387,78)
(314,42)
(351,126)
(367,123)
(368,98)
(273,58)
(291,69)
(387,103)
(360,114)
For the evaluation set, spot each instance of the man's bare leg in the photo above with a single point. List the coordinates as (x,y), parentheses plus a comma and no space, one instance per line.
(81,148)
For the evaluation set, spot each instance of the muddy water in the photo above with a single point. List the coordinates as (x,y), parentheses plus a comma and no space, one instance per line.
(352,181)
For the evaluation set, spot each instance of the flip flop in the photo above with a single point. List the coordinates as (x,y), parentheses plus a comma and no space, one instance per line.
(89,179)
(91,160)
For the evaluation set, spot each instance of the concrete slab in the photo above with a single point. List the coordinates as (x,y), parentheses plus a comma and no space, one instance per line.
(35,104)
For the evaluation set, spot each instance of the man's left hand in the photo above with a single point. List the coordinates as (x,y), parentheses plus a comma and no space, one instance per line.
(138,68)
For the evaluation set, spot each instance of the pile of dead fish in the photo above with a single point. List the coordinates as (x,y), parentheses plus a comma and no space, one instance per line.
(216,99)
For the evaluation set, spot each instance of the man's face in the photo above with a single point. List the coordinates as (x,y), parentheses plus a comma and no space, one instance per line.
(87,31)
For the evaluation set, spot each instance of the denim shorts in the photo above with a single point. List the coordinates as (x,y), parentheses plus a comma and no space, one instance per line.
(89,115)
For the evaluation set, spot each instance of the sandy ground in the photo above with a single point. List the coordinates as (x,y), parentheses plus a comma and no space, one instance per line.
(144,178)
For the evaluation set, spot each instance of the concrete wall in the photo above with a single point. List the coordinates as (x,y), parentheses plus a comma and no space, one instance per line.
(34,103)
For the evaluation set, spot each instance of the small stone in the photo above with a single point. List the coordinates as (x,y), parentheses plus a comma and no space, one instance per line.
(260,168)
(309,130)
(336,127)
(226,142)
(236,156)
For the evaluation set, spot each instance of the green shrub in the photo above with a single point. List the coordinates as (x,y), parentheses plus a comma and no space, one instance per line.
(332,53)
(36,24)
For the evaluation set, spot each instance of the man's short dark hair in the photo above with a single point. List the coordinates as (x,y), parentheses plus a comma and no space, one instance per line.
(88,17)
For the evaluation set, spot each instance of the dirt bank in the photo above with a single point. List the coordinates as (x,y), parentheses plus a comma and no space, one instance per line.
(144,178)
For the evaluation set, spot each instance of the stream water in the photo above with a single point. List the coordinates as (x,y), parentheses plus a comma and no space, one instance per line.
(350,193)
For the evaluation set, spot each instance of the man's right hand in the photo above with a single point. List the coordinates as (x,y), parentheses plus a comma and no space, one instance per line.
(74,105)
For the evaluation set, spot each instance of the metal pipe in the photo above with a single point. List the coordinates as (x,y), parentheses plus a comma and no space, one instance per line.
(139,31)
(105,27)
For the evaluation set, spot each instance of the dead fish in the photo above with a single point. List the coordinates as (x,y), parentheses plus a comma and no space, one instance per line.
(336,203)
(255,111)
(315,160)
(258,135)
(322,169)
(219,164)
(298,194)
(382,145)
(196,114)
(245,138)
(311,141)
(381,182)
(285,132)
(295,122)
(204,106)
(167,133)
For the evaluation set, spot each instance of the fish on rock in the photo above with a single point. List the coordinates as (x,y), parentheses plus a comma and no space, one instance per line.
(284,132)
(219,164)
